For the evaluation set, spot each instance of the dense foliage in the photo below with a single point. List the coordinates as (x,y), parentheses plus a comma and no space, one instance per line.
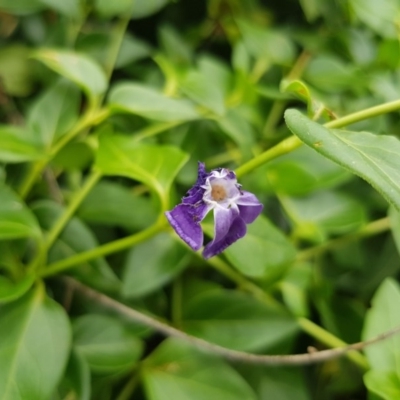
(106,109)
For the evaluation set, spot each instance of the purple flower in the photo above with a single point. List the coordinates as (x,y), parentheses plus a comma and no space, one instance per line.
(233,209)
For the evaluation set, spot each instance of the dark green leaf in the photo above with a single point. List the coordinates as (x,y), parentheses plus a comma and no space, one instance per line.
(21,7)
(79,68)
(374,158)
(16,220)
(106,344)
(36,330)
(10,291)
(215,315)
(144,8)
(155,166)
(145,270)
(178,371)
(70,8)
(263,253)
(149,103)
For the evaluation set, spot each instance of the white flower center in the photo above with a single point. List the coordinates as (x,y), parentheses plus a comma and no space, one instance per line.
(221,191)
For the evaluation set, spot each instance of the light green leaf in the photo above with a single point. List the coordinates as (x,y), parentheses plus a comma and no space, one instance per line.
(322,213)
(19,145)
(153,165)
(10,291)
(144,8)
(132,49)
(15,67)
(263,253)
(381,317)
(214,315)
(16,220)
(145,270)
(106,344)
(62,99)
(372,157)
(70,8)
(178,371)
(149,103)
(34,346)
(79,68)
(106,8)
(119,207)
(21,7)
(385,384)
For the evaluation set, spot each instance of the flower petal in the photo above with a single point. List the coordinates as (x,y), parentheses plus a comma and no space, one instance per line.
(250,213)
(185,219)
(236,231)
(247,199)
(195,193)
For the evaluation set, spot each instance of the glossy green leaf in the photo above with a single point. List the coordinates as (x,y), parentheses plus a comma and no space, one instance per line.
(119,207)
(381,317)
(153,165)
(63,101)
(385,384)
(178,371)
(106,344)
(79,68)
(15,66)
(372,157)
(303,171)
(145,270)
(322,213)
(149,103)
(19,145)
(34,346)
(16,220)
(10,291)
(197,87)
(144,8)
(214,315)
(76,238)
(76,380)
(263,253)
(70,8)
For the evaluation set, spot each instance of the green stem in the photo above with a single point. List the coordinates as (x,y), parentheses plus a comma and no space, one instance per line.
(293,142)
(274,117)
(60,224)
(330,340)
(104,250)
(155,129)
(373,228)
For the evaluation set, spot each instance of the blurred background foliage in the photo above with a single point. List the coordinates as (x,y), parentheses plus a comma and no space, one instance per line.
(105,109)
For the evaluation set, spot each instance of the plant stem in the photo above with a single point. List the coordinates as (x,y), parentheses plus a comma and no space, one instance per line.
(104,250)
(373,228)
(330,340)
(293,142)
(60,224)
(155,129)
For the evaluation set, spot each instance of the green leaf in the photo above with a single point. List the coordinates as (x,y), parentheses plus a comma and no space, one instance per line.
(153,165)
(109,9)
(76,380)
(214,315)
(15,67)
(116,207)
(322,213)
(19,145)
(62,99)
(79,68)
(70,8)
(34,346)
(10,291)
(372,157)
(144,8)
(263,253)
(149,103)
(16,220)
(76,238)
(145,270)
(132,49)
(381,317)
(21,7)
(196,86)
(178,371)
(385,384)
(106,344)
